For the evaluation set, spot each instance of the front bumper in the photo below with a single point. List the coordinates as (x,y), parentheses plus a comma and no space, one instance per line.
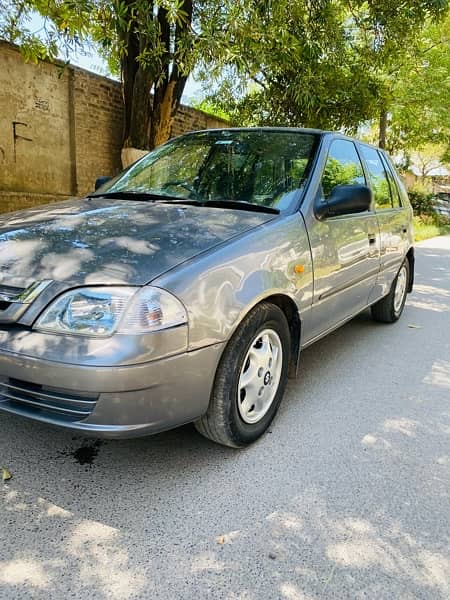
(111,402)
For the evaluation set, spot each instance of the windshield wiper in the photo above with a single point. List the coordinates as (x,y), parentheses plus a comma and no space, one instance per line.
(236,204)
(129,195)
(167,199)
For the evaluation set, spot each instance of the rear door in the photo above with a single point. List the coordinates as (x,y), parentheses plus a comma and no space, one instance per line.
(392,214)
(344,248)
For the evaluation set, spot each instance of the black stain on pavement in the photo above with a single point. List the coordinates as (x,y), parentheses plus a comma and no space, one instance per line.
(86,453)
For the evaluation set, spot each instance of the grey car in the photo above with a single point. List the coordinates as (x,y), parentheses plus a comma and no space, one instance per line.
(183,289)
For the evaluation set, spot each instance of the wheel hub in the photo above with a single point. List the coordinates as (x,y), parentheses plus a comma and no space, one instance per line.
(260,376)
(400,289)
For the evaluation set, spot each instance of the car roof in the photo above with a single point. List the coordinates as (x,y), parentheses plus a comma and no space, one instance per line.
(279,129)
(312,131)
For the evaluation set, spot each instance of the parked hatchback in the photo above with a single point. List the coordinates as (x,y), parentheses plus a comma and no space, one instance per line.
(184,288)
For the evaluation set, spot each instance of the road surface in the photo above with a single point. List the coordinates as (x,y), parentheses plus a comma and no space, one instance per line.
(348,496)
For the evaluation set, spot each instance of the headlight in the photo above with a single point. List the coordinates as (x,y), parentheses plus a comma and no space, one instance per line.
(102,311)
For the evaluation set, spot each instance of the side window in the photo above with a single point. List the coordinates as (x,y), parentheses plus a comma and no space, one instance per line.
(343,167)
(396,199)
(378,178)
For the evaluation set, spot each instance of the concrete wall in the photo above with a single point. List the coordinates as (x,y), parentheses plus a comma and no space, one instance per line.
(60,128)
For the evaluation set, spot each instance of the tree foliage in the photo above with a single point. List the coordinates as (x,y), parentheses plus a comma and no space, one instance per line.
(326,63)
(299,58)
(419,99)
(317,63)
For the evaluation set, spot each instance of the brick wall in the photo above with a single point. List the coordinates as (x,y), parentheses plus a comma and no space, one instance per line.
(98,113)
(60,129)
(189,119)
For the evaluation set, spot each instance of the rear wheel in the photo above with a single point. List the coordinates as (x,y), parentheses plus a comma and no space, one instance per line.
(390,308)
(250,380)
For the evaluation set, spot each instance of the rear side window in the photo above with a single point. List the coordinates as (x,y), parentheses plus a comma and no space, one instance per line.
(343,167)
(379,179)
(396,198)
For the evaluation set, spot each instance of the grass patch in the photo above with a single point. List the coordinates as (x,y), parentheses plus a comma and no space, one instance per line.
(426,227)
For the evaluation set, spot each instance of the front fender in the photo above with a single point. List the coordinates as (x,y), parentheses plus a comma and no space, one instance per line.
(220,287)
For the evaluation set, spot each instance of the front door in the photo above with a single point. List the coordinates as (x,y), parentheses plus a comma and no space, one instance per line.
(345,249)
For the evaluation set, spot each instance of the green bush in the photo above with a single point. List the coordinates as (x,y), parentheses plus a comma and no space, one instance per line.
(441,220)
(427,226)
(422,203)
(427,222)
(423,206)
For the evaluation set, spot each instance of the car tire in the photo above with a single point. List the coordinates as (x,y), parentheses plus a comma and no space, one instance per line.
(390,308)
(252,372)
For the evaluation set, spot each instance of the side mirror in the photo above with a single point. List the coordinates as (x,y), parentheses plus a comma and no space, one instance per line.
(100,181)
(345,200)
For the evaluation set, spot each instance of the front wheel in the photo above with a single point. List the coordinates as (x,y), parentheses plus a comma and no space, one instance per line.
(250,380)
(390,308)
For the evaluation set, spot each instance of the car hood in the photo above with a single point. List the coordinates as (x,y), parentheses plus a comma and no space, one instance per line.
(96,240)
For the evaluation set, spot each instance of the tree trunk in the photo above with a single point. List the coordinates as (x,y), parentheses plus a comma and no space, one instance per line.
(167,98)
(137,82)
(383,129)
(140,110)
(167,101)
(148,119)
(129,67)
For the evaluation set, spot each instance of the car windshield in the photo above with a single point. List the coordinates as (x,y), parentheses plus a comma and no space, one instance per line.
(260,167)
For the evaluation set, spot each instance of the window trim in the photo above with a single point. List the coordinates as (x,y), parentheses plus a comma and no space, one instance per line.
(390,170)
(327,154)
(368,177)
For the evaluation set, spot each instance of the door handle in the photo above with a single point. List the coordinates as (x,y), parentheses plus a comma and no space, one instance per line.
(372,238)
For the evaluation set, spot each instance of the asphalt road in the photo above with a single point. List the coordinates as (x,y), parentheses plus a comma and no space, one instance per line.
(348,496)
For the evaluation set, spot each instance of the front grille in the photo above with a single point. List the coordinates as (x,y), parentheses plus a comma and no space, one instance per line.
(10,290)
(46,401)
(7,291)
(14,301)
